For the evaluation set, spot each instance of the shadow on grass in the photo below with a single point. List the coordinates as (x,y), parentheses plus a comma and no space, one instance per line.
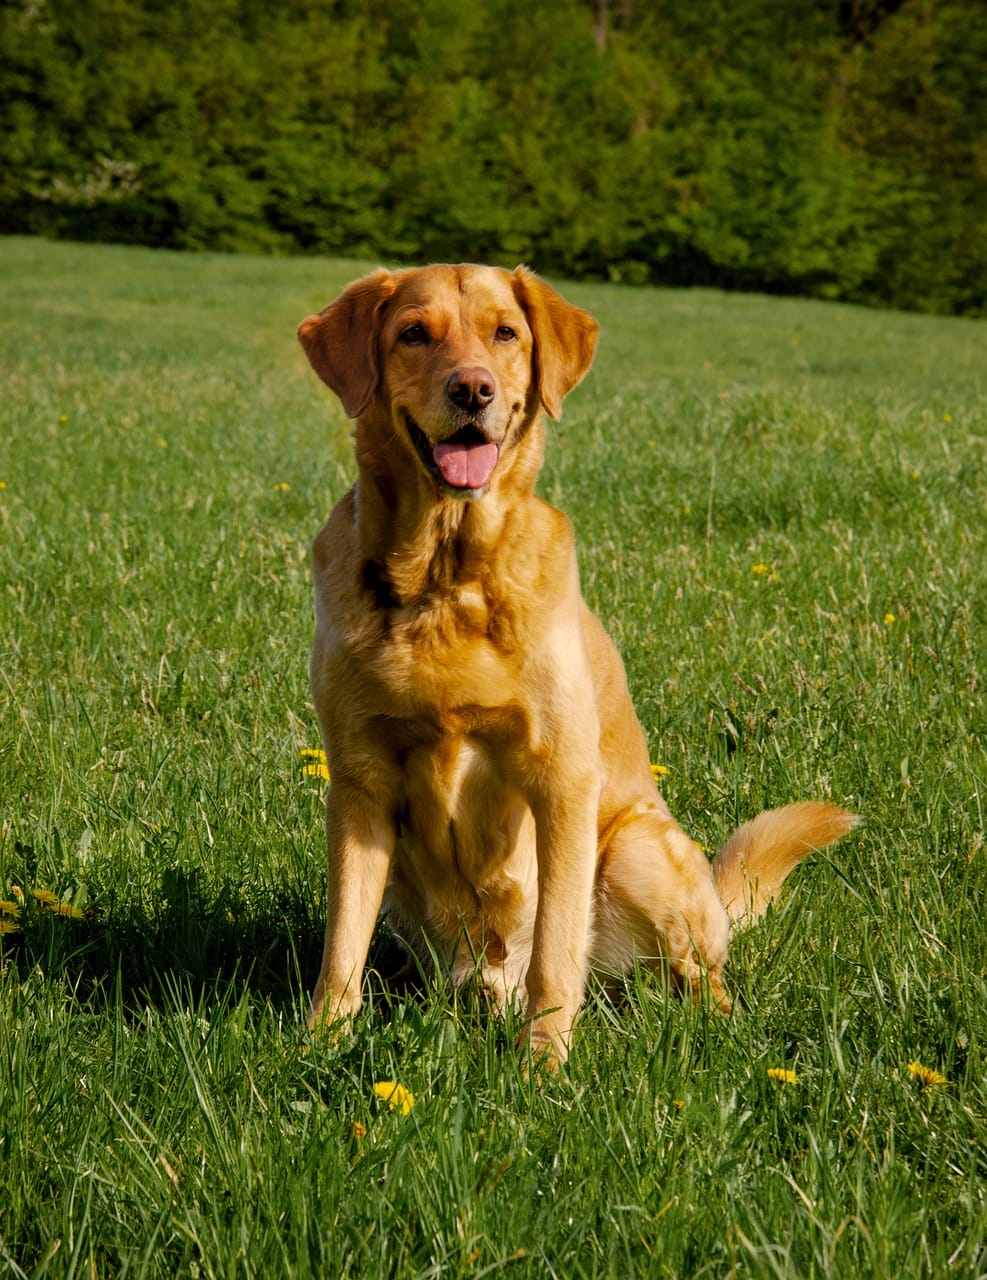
(219,942)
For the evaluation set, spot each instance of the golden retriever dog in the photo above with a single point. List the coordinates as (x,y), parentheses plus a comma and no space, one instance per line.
(491,791)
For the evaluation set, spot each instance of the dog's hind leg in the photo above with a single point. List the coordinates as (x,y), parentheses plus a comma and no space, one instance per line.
(659,898)
(656,900)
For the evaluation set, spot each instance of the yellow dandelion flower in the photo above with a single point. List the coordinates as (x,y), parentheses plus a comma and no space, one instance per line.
(49,901)
(397,1097)
(3,484)
(659,771)
(8,926)
(359,1130)
(18,893)
(890,619)
(761,569)
(783,1075)
(926,1075)
(9,909)
(314,765)
(66,910)
(947,417)
(914,475)
(161,442)
(282,487)
(63,417)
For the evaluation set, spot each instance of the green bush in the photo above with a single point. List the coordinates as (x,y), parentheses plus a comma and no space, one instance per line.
(834,151)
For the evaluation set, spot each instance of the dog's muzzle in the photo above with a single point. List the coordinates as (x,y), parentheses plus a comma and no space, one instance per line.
(462,464)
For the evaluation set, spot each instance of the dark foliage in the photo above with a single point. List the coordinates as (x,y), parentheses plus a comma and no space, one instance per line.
(835,148)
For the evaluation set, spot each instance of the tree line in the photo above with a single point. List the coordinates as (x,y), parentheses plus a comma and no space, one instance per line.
(833,148)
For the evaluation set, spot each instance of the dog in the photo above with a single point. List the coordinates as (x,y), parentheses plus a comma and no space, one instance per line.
(491,791)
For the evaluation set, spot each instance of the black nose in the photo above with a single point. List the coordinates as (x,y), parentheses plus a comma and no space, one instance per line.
(471,388)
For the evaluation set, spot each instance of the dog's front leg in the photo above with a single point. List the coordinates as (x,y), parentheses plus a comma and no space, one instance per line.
(566,843)
(360,839)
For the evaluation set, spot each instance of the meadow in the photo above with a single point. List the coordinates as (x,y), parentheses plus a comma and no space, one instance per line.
(780,508)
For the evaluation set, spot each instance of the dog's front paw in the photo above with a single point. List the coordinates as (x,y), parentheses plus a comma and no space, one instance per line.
(329,1030)
(544,1046)
(331,1017)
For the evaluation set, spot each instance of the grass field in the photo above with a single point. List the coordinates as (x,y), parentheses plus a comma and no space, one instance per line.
(780,509)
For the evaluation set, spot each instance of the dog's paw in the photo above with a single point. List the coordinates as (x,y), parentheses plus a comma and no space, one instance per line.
(541,1049)
(707,989)
(330,1021)
(329,1034)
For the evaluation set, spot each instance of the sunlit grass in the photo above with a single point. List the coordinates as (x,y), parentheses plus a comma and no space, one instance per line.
(780,510)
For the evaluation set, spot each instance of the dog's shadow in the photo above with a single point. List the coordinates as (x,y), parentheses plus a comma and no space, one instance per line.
(214,943)
(208,947)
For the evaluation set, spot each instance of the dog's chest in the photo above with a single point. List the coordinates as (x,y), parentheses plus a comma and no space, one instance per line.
(465,846)
(443,656)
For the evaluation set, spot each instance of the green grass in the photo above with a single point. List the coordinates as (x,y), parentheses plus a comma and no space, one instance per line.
(780,509)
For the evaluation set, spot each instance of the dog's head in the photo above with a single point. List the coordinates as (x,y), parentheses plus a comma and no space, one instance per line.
(453,362)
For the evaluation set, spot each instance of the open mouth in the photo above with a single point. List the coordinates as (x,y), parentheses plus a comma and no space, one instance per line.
(462,463)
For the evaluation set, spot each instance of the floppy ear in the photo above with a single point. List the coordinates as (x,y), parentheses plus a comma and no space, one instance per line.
(341,341)
(565,338)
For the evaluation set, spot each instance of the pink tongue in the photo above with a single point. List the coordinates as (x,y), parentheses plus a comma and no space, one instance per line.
(466,466)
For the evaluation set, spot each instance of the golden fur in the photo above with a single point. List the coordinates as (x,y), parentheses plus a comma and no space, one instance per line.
(491,790)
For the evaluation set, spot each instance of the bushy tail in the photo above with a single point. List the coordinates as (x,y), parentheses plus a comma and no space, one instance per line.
(752,865)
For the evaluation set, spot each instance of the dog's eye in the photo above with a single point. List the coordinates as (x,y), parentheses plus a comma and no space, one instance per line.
(414,336)
(505,333)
